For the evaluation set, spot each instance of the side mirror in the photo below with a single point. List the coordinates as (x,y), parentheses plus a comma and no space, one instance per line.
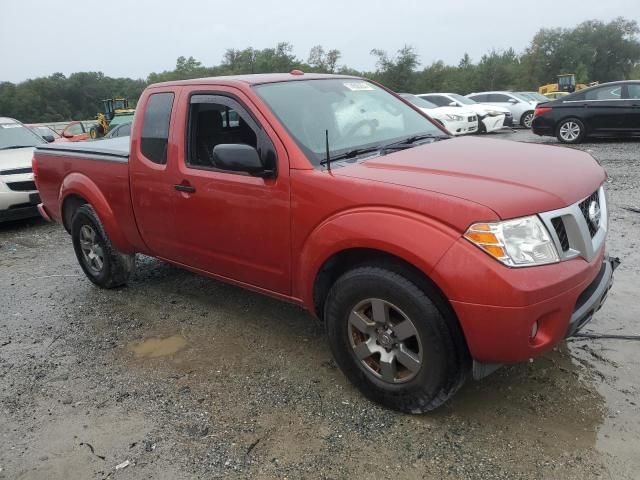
(238,157)
(454,104)
(66,134)
(48,138)
(513,101)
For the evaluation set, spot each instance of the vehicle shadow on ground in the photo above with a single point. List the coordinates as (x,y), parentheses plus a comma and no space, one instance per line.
(15,226)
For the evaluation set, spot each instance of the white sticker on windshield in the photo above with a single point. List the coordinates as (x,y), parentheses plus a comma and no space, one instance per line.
(358,86)
(10,125)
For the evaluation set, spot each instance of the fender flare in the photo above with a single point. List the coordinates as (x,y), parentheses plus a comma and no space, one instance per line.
(419,240)
(82,186)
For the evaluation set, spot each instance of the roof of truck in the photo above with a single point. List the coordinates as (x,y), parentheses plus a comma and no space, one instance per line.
(254,79)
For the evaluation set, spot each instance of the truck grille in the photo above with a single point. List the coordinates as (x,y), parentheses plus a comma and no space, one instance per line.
(584,208)
(26,186)
(558,226)
(573,232)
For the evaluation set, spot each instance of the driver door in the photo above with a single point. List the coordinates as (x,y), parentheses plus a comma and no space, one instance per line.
(232,224)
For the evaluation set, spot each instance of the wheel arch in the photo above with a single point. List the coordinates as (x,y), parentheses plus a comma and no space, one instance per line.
(78,189)
(348,259)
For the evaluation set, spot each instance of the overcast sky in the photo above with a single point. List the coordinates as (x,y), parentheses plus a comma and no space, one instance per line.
(135,37)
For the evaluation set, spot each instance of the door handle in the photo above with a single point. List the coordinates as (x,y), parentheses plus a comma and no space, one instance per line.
(185,188)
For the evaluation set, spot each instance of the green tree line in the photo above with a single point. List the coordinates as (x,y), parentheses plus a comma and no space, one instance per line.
(593,50)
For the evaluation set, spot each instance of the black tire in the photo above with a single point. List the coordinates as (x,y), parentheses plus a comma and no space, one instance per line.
(96,131)
(570,131)
(116,267)
(444,358)
(526,119)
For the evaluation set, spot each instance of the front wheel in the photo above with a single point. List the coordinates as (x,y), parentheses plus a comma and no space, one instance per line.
(100,261)
(570,130)
(391,341)
(527,119)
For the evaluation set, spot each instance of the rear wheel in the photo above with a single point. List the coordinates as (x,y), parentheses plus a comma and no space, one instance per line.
(570,130)
(527,119)
(100,261)
(392,342)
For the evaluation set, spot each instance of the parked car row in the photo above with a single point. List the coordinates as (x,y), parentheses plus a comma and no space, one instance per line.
(605,110)
(493,110)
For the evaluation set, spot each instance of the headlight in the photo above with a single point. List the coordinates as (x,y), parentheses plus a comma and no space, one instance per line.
(493,113)
(520,242)
(456,118)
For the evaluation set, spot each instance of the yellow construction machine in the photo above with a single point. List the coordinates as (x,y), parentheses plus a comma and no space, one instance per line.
(116,111)
(566,83)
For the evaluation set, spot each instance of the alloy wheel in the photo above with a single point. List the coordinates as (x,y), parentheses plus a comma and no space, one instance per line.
(569,131)
(528,119)
(385,341)
(91,249)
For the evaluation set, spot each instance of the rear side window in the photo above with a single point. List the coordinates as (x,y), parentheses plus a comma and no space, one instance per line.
(438,100)
(155,127)
(498,98)
(604,93)
(633,91)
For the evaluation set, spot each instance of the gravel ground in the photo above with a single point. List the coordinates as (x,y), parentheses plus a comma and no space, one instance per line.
(184,377)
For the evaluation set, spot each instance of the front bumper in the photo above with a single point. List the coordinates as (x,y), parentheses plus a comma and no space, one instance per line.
(461,127)
(498,307)
(593,297)
(491,124)
(18,205)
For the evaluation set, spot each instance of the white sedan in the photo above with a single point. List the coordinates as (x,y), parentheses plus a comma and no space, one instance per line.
(491,117)
(18,195)
(458,121)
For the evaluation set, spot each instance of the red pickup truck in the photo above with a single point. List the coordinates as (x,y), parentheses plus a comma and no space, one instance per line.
(427,257)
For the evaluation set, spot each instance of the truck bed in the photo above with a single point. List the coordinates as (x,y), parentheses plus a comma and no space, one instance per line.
(118,148)
(93,172)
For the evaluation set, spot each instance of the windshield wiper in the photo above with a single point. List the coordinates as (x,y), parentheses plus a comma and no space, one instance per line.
(350,154)
(407,142)
(16,146)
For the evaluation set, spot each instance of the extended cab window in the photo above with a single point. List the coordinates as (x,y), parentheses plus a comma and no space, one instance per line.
(216,119)
(155,127)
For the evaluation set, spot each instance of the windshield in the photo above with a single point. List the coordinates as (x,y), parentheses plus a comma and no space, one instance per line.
(357,114)
(462,100)
(45,131)
(15,135)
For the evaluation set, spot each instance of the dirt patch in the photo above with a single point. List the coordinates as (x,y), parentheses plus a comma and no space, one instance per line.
(158,347)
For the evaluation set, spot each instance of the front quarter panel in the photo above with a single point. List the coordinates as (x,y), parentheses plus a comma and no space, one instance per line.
(417,239)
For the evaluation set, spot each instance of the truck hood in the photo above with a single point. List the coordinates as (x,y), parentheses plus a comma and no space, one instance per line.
(16,158)
(511,178)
